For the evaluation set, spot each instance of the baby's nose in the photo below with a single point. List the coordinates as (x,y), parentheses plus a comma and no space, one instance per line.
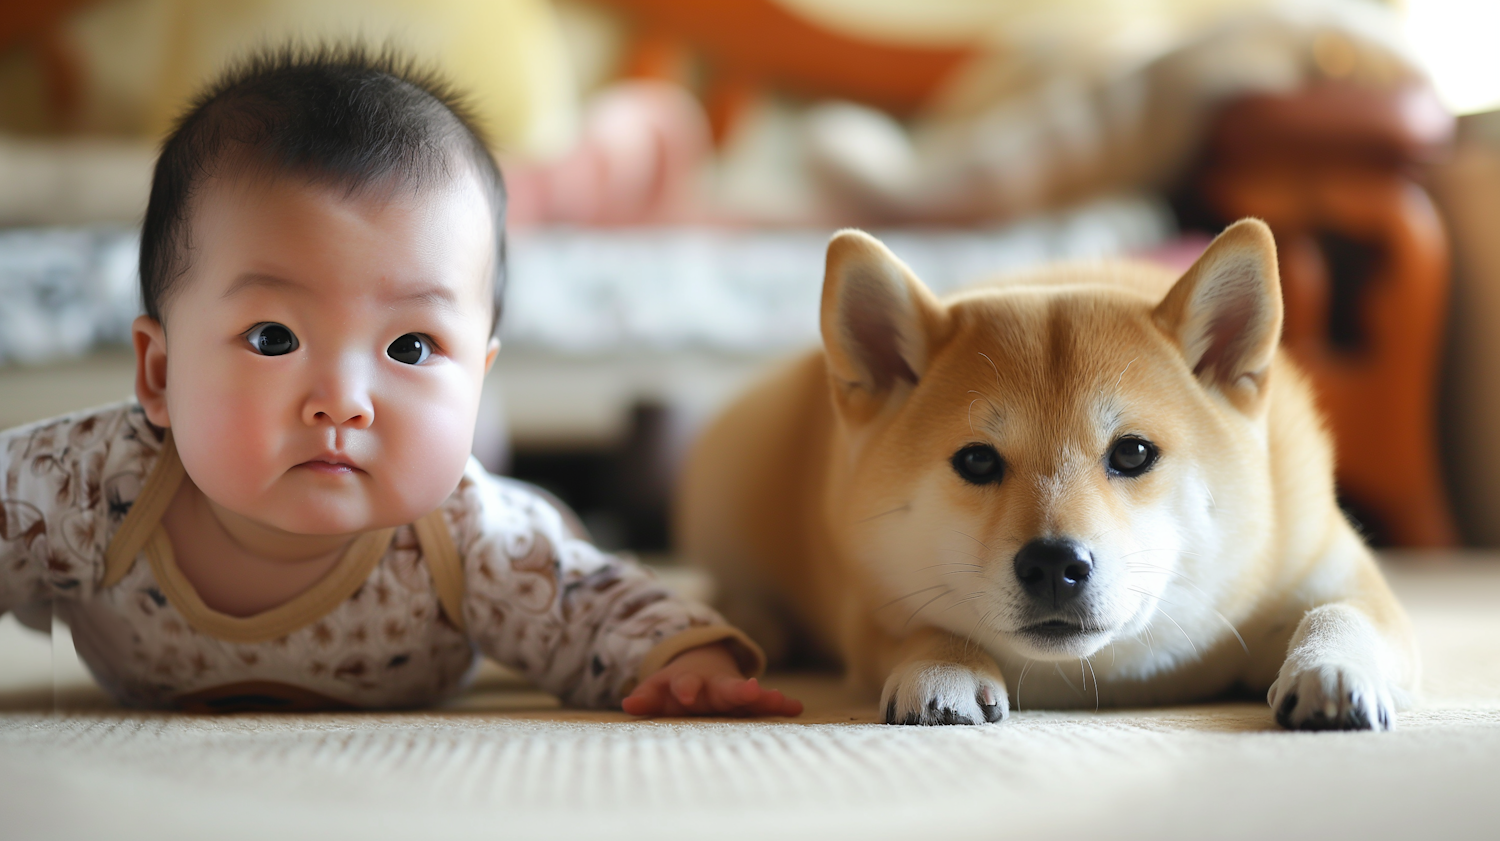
(342,399)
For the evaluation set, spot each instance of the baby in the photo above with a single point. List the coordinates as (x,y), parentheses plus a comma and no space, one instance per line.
(289,517)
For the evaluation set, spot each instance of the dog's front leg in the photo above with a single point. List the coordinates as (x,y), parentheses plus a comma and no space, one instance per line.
(1351,664)
(940,678)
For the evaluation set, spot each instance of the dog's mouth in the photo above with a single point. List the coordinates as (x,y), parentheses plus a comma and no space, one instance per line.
(1061,636)
(1056,629)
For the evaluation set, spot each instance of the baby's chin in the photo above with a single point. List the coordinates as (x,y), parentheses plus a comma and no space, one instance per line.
(326,514)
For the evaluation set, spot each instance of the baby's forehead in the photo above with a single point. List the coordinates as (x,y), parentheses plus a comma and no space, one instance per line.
(442,229)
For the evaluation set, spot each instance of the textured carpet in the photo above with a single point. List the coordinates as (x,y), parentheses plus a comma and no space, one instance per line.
(505,762)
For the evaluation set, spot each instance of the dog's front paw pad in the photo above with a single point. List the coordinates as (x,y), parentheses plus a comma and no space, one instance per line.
(934,692)
(1332,698)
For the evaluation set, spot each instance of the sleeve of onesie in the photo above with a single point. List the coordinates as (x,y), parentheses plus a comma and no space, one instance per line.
(62,491)
(584,624)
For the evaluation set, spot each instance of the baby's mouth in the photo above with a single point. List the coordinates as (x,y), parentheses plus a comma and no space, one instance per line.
(331,466)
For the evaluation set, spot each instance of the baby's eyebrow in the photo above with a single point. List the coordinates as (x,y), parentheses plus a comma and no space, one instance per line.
(431,295)
(267,281)
(440,296)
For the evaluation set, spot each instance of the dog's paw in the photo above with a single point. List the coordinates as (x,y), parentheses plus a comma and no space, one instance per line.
(936,692)
(1332,697)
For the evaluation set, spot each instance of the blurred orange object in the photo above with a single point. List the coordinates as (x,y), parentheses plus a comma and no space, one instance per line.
(1364,269)
(747,44)
(37,23)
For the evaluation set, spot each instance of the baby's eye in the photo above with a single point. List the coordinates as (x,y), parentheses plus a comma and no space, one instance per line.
(413,349)
(271,339)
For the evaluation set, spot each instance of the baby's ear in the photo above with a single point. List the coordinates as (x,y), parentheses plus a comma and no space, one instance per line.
(878,320)
(150,341)
(491,351)
(1226,311)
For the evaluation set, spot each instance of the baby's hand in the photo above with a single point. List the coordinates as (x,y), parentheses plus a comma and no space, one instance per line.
(706,681)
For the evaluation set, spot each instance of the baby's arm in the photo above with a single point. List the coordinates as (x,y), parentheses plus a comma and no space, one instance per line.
(23,531)
(61,483)
(585,625)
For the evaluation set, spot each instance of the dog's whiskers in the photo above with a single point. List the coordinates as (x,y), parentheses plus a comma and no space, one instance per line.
(1057,667)
(905,506)
(1185,636)
(1088,662)
(913,593)
(994,368)
(1204,600)
(946,591)
(969,598)
(969,638)
(1121,378)
(973,538)
(1020,682)
(1094,538)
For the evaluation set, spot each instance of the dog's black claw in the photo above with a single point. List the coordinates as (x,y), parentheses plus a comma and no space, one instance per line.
(1385,718)
(947,715)
(1320,720)
(1357,719)
(890,711)
(992,712)
(1284,712)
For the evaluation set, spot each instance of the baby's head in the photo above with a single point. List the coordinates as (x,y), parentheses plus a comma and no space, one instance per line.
(320,265)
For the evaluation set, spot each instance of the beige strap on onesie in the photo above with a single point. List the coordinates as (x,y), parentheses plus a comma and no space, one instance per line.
(142,532)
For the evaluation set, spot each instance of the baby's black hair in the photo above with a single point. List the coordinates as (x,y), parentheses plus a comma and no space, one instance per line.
(340,115)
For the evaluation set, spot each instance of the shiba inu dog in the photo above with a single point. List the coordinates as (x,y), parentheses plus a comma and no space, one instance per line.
(1094,485)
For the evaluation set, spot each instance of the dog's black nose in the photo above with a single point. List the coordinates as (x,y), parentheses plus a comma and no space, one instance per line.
(1053,569)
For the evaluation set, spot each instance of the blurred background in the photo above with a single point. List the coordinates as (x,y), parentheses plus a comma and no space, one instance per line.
(676,166)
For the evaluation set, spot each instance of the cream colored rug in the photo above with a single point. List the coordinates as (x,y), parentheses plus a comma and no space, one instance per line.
(506,763)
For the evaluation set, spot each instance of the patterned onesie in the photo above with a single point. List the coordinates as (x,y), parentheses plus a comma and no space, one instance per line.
(399,622)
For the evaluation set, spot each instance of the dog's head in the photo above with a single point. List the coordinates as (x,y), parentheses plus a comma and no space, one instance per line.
(1048,466)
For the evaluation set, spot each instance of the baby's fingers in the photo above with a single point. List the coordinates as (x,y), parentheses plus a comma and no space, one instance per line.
(686,688)
(773,702)
(727,694)
(748,697)
(645,700)
(650,698)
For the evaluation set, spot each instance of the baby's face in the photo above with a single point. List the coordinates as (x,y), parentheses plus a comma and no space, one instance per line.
(324,354)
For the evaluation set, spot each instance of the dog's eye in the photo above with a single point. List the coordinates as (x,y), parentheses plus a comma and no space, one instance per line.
(1132,456)
(979,464)
(271,339)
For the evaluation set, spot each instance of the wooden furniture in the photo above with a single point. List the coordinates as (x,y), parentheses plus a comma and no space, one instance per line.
(37,24)
(1364,271)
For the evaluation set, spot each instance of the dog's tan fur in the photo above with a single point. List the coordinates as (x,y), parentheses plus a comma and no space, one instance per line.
(826,501)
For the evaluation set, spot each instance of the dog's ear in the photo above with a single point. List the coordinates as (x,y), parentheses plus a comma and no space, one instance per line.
(1226,311)
(878,319)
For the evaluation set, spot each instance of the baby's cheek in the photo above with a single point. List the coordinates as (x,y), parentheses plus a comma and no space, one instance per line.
(227,427)
(428,443)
